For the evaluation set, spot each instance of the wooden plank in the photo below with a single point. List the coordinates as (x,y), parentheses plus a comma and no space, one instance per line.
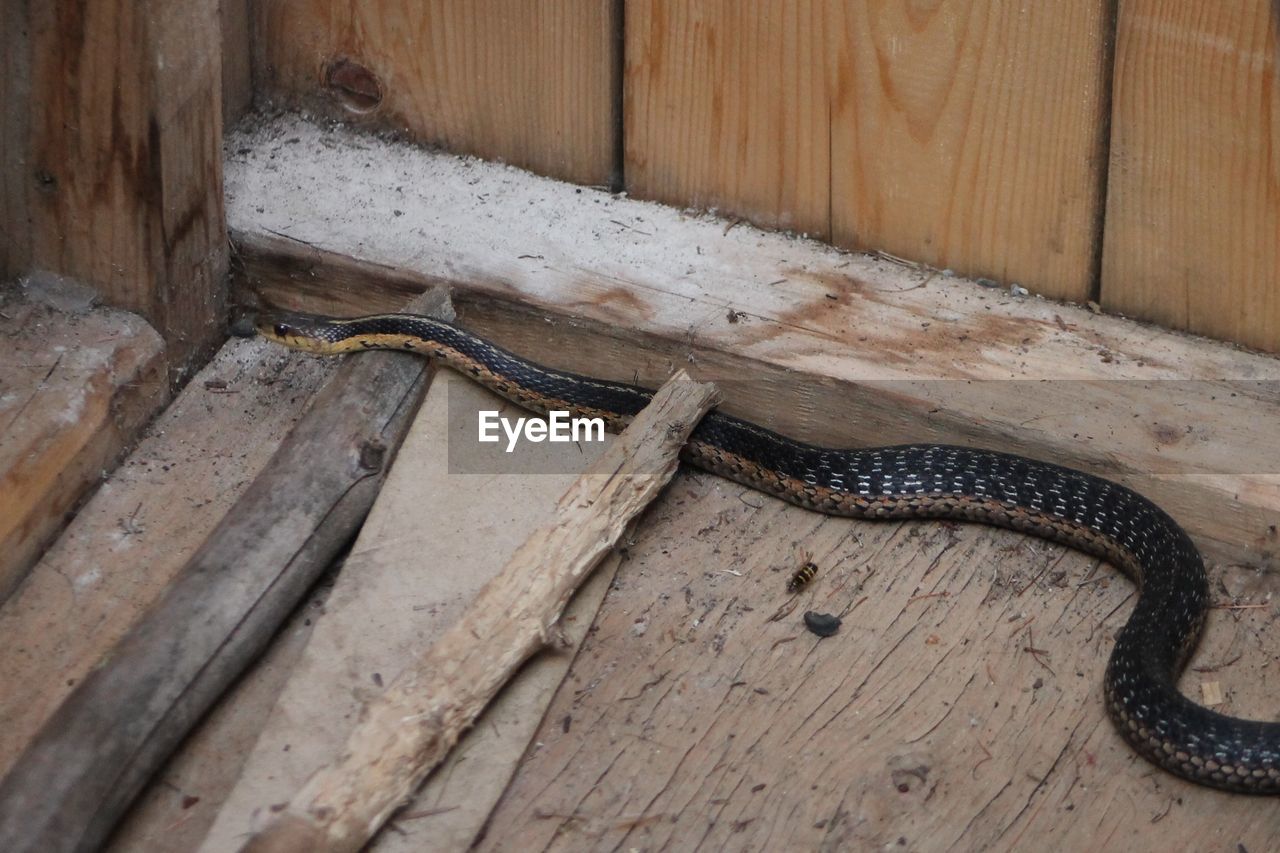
(174,812)
(532,84)
(77,384)
(411,581)
(941,134)
(69,787)
(689,610)
(1193,205)
(830,347)
(124,547)
(959,707)
(113,172)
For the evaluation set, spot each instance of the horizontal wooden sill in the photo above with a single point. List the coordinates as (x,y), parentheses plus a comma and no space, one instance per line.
(832,347)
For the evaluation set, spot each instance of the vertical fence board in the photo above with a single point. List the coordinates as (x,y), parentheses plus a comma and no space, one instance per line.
(1193,204)
(969,136)
(726,108)
(529,83)
(972,136)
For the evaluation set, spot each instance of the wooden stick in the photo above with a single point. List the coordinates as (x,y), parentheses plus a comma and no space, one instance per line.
(89,760)
(404,734)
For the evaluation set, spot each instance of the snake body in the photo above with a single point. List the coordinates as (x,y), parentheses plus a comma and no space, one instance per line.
(916,481)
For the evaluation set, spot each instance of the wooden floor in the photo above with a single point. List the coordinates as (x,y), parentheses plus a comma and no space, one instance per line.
(959,705)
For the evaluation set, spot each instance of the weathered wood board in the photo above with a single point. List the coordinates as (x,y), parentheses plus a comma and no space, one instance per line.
(969,136)
(124,546)
(830,347)
(76,385)
(1193,192)
(959,706)
(444,524)
(237,59)
(528,83)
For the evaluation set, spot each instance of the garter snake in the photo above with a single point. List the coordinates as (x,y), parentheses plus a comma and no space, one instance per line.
(1094,515)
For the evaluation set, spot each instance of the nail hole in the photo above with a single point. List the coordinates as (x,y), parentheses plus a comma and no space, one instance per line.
(353,85)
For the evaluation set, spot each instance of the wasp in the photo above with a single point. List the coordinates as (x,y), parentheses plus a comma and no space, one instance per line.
(801,577)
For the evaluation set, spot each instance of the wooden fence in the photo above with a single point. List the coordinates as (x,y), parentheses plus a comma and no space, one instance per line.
(1127,153)
(1121,152)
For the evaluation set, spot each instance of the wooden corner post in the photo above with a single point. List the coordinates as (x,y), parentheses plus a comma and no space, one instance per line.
(110,156)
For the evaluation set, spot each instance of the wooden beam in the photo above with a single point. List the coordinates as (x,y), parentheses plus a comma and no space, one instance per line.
(74,781)
(76,385)
(112,161)
(403,734)
(1193,195)
(531,84)
(830,347)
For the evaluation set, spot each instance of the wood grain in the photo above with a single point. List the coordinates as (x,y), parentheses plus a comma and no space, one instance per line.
(1193,196)
(959,707)
(76,387)
(961,135)
(528,83)
(114,163)
(405,733)
(237,59)
(729,110)
(15,128)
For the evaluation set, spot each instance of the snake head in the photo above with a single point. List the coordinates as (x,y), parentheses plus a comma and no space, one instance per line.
(296,331)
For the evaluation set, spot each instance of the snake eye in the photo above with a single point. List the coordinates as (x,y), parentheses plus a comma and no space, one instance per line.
(282,329)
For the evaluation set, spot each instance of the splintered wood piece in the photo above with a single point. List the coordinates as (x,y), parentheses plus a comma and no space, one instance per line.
(405,733)
(93,755)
